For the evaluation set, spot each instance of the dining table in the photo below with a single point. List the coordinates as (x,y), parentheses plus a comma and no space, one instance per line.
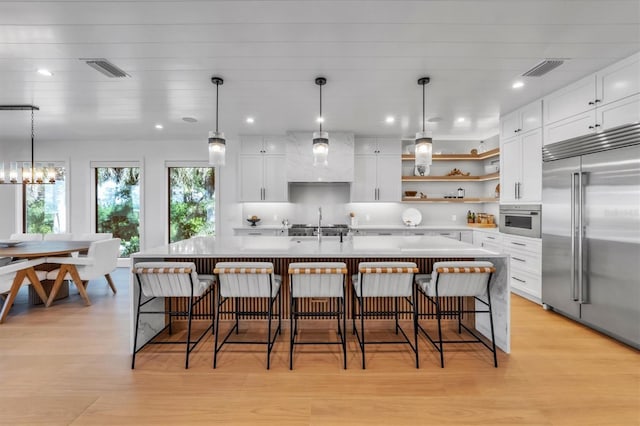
(44,249)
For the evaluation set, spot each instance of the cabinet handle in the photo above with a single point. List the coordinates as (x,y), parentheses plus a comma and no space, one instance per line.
(518,244)
(591,127)
(597,125)
(591,103)
(519,260)
(518,279)
(384,233)
(491,238)
(255,233)
(597,100)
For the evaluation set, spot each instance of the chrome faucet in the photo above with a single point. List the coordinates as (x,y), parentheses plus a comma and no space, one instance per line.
(319,223)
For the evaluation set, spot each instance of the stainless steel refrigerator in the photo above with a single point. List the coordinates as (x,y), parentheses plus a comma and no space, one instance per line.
(591,231)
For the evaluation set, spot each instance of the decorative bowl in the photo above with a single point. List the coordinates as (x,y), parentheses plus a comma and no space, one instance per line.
(410,193)
(253,221)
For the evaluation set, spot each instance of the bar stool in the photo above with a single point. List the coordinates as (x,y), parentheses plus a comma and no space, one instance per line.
(171,279)
(249,280)
(322,280)
(458,279)
(385,279)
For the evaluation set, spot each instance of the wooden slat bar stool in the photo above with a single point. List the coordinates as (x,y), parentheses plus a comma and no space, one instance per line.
(385,279)
(317,280)
(458,279)
(247,280)
(171,279)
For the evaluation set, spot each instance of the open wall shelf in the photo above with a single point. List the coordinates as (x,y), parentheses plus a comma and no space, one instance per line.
(449,157)
(457,178)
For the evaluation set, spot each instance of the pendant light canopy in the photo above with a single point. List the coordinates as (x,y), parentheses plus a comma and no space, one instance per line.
(424,144)
(217,143)
(30,172)
(320,138)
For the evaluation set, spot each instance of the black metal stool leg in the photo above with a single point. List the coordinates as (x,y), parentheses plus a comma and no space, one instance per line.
(135,338)
(237,308)
(362,313)
(186,363)
(269,333)
(459,314)
(215,343)
(439,317)
(292,314)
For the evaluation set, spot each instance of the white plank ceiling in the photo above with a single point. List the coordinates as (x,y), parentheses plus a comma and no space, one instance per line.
(269,53)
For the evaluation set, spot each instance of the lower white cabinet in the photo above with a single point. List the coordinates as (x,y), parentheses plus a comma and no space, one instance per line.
(488,240)
(526,265)
(245,232)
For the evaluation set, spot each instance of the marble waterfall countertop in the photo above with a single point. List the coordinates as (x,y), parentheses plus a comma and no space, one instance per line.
(357,246)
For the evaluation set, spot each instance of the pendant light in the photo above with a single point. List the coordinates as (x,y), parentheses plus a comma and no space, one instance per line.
(32,172)
(320,138)
(217,143)
(424,144)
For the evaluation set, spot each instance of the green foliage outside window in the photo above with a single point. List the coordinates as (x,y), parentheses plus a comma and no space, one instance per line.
(191,202)
(118,205)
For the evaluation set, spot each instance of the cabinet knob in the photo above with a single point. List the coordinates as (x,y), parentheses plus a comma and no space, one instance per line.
(597,125)
(597,100)
(591,127)
(591,103)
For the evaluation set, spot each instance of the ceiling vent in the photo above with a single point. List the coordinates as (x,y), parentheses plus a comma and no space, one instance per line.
(543,67)
(105,67)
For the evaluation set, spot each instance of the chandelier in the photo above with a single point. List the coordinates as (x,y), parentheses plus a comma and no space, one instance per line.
(25,172)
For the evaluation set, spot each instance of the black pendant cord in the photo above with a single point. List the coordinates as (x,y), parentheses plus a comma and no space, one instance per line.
(33,164)
(321,108)
(217,86)
(424,117)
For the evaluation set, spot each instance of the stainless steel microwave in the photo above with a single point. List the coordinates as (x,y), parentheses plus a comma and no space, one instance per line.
(521,219)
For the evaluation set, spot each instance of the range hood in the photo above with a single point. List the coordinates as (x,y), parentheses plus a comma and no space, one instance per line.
(300,166)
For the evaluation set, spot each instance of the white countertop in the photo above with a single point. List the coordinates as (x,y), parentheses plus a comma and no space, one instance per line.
(292,247)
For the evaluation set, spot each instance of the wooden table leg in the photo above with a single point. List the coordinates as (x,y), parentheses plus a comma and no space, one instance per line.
(37,285)
(71,270)
(17,282)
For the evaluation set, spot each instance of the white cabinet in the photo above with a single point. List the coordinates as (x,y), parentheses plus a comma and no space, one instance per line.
(606,99)
(522,120)
(260,232)
(521,168)
(525,265)
(377,171)
(262,169)
(488,240)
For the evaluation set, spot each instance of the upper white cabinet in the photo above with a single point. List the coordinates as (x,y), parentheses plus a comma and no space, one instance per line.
(598,102)
(378,169)
(384,146)
(299,157)
(521,168)
(522,120)
(262,169)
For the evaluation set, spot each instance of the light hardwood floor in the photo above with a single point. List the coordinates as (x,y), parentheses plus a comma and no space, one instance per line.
(70,364)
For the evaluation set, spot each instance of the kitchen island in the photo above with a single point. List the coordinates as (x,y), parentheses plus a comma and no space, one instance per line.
(423,250)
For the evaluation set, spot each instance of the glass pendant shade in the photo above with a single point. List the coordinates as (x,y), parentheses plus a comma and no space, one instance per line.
(217,148)
(320,148)
(424,149)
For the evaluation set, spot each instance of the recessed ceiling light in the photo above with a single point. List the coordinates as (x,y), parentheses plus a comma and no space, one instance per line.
(460,120)
(159,126)
(320,119)
(390,119)
(45,72)
(518,84)
(250,120)
(190,119)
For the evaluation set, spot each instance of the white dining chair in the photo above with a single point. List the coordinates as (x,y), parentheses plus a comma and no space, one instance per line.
(13,276)
(92,236)
(57,237)
(100,261)
(21,236)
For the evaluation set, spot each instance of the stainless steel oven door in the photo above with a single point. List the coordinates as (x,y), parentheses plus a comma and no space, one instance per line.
(521,220)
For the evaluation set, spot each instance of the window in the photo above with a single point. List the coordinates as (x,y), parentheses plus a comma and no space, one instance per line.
(191,202)
(45,205)
(118,205)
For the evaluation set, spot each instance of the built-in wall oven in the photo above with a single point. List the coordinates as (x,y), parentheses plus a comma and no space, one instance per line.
(521,219)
